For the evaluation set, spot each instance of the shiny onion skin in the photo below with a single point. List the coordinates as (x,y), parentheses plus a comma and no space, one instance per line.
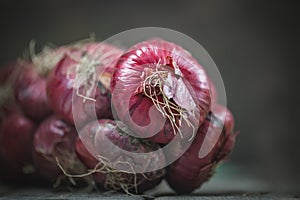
(30,92)
(53,138)
(189,172)
(96,131)
(16,135)
(187,76)
(60,84)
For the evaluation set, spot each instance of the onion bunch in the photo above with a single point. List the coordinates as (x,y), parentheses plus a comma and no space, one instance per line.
(162,75)
(92,114)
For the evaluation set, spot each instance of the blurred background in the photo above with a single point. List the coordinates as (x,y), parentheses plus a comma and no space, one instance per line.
(253,43)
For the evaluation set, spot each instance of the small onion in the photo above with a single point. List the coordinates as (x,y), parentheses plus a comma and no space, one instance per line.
(189,171)
(16,135)
(54,147)
(30,93)
(30,84)
(108,177)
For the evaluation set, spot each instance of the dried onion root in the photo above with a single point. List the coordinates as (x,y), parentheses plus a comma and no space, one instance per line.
(54,141)
(79,72)
(168,108)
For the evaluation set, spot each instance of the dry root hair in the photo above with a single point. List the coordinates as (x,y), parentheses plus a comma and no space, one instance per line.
(153,88)
(70,163)
(51,55)
(115,179)
(86,70)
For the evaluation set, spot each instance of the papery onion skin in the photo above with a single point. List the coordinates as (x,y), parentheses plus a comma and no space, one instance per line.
(53,138)
(16,135)
(128,78)
(60,86)
(107,128)
(30,92)
(189,172)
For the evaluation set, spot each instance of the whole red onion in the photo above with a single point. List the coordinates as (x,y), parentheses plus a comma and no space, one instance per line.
(30,92)
(54,145)
(91,63)
(109,177)
(190,171)
(30,85)
(160,73)
(16,135)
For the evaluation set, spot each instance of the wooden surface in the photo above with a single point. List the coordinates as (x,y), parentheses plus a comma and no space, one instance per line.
(229,183)
(232,197)
(40,194)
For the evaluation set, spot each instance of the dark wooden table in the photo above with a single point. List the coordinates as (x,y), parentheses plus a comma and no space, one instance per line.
(229,183)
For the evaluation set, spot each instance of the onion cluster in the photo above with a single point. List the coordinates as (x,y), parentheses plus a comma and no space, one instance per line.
(96,116)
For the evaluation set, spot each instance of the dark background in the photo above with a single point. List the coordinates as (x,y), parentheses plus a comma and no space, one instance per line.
(254,44)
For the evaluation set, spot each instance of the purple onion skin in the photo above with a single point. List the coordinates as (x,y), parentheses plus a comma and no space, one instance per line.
(52,137)
(30,93)
(189,172)
(60,88)
(130,75)
(107,128)
(16,135)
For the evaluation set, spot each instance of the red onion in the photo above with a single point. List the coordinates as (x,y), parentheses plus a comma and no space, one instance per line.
(54,145)
(109,177)
(16,135)
(30,93)
(190,171)
(160,73)
(30,86)
(87,63)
